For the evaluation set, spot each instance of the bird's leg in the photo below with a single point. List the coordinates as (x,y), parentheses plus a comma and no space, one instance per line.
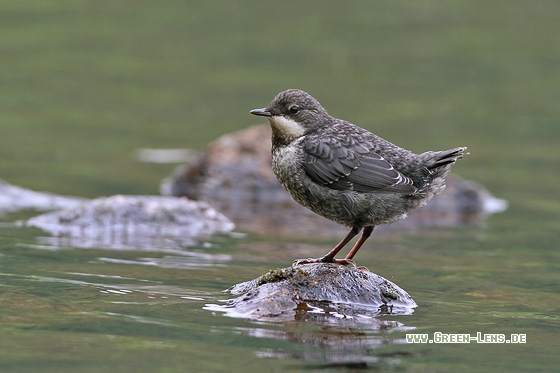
(329,257)
(365,235)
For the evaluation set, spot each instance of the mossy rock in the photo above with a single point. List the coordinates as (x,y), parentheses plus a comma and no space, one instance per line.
(309,290)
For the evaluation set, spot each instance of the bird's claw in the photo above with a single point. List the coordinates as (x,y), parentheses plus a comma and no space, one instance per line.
(298,262)
(344,262)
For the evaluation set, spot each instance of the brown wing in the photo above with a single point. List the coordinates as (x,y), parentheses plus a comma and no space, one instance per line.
(349,165)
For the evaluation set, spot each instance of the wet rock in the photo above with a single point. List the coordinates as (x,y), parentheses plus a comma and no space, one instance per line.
(14,198)
(133,222)
(234,175)
(318,291)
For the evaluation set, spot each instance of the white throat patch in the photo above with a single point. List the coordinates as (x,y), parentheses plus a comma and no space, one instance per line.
(288,127)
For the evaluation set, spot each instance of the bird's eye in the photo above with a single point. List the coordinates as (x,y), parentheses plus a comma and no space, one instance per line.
(294,109)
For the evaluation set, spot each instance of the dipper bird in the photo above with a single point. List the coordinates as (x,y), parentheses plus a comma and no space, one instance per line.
(346,173)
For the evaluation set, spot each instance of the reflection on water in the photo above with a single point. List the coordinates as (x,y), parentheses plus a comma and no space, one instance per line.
(325,337)
(142,320)
(151,290)
(133,242)
(134,301)
(191,260)
(128,301)
(182,258)
(108,276)
(329,344)
(351,315)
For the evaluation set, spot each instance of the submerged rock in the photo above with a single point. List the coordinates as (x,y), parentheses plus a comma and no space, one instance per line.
(133,222)
(318,291)
(14,198)
(234,175)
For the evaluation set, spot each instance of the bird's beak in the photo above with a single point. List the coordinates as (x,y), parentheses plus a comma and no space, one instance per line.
(261,112)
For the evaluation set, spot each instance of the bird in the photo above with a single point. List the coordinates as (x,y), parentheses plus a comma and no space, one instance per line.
(346,173)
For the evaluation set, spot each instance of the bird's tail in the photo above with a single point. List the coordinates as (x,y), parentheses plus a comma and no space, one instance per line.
(437,165)
(442,161)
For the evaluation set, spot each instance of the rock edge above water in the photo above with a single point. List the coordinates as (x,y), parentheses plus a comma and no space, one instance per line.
(133,222)
(318,290)
(14,198)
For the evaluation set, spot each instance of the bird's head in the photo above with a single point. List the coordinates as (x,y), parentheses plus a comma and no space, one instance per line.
(292,114)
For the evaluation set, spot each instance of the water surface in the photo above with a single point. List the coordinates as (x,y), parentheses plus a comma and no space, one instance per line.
(68,309)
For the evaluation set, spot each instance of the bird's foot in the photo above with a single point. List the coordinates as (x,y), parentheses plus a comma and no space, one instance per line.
(306,261)
(344,262)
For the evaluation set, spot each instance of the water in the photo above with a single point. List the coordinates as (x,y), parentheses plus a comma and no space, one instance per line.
(89,83)
(87,309)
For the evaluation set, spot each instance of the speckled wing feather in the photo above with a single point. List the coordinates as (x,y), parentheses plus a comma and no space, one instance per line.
(344,164)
